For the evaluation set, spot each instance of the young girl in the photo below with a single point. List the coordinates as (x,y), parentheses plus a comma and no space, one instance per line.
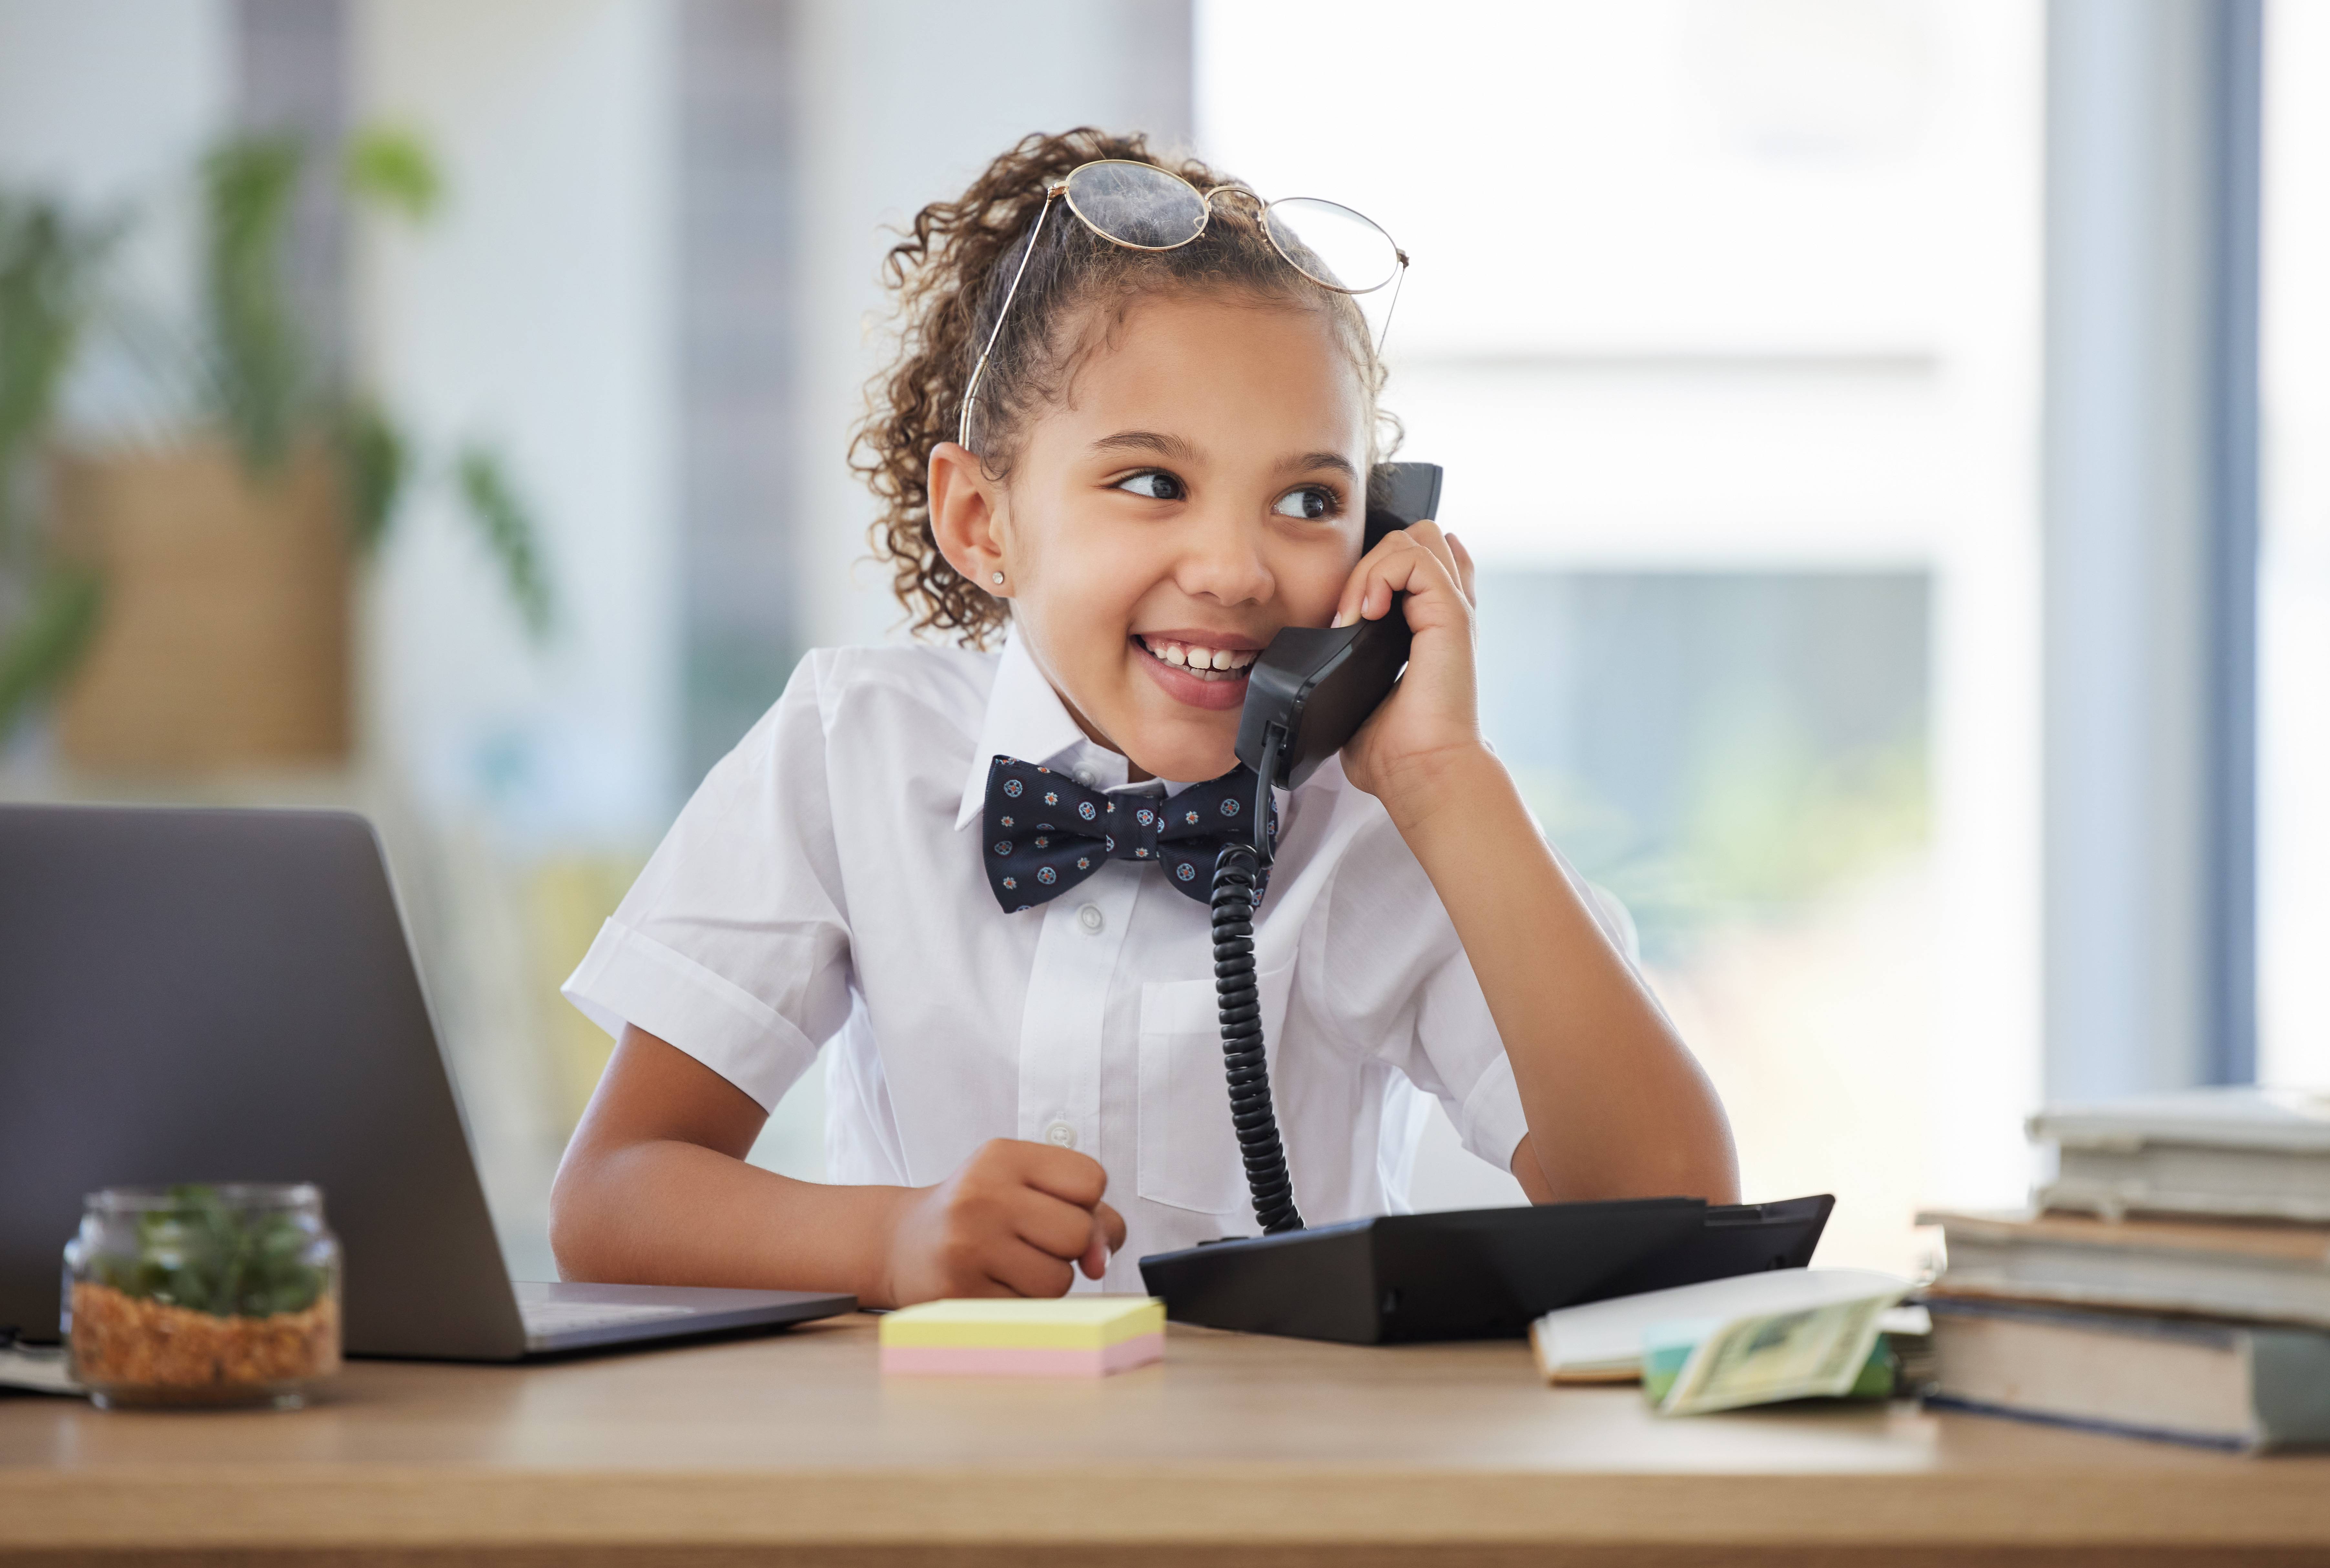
(1129,433)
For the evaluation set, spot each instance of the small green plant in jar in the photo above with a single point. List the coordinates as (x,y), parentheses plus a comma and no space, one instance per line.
(202,1295)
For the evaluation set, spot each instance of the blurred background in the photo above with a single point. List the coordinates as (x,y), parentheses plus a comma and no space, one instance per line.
(1883,426)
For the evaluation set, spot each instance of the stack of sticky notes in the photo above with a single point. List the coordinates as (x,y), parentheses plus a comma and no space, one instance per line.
(1072,1336)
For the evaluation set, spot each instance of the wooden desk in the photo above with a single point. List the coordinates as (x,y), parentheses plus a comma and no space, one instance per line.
(1236,1450)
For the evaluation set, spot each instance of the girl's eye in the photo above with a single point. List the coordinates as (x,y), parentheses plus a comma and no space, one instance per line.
(1154,486)
(1311,503)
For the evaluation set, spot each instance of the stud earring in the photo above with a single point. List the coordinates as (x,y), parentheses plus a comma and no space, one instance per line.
(998,576)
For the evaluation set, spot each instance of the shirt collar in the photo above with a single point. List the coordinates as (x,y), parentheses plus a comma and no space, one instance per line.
(1025,719)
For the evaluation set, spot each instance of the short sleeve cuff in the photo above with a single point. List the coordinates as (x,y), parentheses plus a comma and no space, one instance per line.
(1492,1122)
(629,978)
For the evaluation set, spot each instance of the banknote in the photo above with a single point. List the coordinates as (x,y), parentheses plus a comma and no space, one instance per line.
(1759,1359)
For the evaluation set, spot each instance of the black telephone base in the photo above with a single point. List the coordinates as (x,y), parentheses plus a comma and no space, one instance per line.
(1474,1273)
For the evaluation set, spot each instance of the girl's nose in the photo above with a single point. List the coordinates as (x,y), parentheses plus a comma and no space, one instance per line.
(1223,561)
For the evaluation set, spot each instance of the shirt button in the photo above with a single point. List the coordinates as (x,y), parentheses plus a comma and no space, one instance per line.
(1084,776)
(1061,1134)
(1090,918)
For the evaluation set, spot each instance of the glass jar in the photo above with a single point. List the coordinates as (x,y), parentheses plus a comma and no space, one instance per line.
(224,1295)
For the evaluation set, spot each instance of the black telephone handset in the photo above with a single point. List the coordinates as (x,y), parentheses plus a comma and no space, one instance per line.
(1314,686)
(1463,1275)
(1308,694)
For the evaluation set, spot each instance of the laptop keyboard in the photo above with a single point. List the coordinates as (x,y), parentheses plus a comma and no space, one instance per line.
(567,1316)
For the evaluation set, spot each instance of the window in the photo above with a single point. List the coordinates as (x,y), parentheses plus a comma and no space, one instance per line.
(1724,320)
(2294,558)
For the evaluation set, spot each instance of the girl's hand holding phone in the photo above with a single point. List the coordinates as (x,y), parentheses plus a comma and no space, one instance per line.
(1018,1219)
(1432,718)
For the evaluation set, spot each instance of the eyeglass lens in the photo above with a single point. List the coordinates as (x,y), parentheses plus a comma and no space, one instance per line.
(1330,244)
(1136,204)
(1141,205)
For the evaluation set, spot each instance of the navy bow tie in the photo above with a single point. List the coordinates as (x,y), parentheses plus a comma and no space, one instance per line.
(1046,833)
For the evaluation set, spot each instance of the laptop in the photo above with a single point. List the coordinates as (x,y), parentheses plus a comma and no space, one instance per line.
(229,996)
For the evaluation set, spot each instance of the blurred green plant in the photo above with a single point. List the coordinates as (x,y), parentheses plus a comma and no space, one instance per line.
(1782,823)
(207,1256)
(259,383)
(258,378)
(48,265)
(1771,825)
(508,533)
(264,387)
(374,463)
(392,166)
(47,637)
(47,262)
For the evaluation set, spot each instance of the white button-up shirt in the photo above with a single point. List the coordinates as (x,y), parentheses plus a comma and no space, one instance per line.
(824,890)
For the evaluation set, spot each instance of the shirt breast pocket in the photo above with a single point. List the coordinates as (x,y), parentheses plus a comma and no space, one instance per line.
(1189,1150)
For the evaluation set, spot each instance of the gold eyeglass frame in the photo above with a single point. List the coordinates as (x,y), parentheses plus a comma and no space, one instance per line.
(1059,191)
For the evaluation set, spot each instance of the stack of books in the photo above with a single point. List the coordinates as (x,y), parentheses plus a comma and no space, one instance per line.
(2172,1280)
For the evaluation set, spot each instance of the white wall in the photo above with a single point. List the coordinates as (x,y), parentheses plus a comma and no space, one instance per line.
(905,102)
(110,103)
(536,313)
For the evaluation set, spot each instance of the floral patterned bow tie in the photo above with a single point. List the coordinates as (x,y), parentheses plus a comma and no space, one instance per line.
(1046,833)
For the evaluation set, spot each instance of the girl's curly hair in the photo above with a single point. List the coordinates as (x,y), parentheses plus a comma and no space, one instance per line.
(950,275)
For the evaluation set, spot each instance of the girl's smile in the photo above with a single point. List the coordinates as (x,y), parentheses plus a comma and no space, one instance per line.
(1205,669)
(1196,487)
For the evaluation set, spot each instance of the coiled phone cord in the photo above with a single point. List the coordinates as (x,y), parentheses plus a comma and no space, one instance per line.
(1237,871)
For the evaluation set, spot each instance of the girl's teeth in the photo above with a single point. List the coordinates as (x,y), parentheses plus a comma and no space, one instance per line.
(1204,660)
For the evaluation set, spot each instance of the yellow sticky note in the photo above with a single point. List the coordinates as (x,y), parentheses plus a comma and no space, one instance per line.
(1068,1323)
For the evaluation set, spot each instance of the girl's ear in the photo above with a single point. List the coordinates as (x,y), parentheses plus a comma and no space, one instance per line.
(964,519)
